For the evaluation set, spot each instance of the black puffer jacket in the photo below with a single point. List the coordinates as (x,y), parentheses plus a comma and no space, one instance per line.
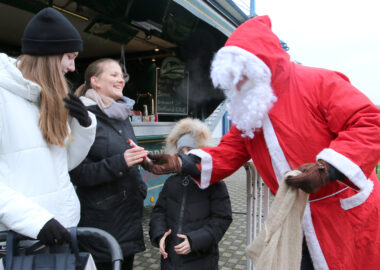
(203,215)
(111,194)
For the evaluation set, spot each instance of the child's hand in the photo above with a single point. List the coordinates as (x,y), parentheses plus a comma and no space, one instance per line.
(183,248)
(162,244)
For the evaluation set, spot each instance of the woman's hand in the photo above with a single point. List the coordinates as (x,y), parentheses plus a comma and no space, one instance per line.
(183,248)
(162,243)
(134,155)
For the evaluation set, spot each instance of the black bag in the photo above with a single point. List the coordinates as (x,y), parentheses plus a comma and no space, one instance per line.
(26,259)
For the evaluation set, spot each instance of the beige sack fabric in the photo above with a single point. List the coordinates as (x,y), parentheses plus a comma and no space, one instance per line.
(279,245)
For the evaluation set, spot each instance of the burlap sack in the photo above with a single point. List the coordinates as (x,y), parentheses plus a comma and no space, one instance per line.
(279,245)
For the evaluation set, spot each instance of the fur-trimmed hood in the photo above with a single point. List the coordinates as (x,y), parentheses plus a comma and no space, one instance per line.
(195,127)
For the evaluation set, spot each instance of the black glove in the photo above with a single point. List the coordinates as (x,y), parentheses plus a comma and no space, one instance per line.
(189,165)
(162,164)
(77,109)
(53,233)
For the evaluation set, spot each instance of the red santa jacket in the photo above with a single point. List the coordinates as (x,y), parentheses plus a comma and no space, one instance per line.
(318,115)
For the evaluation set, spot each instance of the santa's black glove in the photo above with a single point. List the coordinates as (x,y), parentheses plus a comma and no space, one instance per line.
(77,109)
(189,164)
(53,233)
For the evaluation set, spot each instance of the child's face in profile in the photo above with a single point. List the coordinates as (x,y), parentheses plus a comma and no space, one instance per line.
(185,149)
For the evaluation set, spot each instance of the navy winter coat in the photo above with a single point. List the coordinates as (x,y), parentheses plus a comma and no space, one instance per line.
(110,193)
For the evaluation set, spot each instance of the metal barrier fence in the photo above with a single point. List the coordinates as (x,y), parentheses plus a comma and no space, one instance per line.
(258,200)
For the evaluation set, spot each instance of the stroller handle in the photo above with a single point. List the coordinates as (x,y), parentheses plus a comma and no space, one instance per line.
(105,237)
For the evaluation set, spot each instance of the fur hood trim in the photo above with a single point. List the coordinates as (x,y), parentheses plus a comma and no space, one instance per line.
(195,127)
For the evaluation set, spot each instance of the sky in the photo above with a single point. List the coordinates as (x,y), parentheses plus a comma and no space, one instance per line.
(341,35)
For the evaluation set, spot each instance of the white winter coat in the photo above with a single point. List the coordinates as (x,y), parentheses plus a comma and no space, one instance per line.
(34,180)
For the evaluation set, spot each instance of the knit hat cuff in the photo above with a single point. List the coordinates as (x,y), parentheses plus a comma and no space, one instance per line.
(36,47)
(185,140)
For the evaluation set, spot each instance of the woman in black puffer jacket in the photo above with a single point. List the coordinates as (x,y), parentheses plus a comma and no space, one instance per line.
(109,184)
(187,222)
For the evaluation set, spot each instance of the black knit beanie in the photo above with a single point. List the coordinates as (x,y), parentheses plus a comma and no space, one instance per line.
(49,32)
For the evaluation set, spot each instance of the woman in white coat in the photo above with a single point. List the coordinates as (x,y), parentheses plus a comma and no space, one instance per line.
(44,131)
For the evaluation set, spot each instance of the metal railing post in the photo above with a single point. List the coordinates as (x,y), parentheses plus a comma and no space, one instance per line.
(257,205)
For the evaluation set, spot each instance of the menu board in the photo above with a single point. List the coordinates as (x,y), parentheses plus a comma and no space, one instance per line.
(172,95)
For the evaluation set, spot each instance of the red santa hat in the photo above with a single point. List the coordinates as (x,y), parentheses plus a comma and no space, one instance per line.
(255,52)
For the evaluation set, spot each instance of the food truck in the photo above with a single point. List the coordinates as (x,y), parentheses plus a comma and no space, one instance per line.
(165,48)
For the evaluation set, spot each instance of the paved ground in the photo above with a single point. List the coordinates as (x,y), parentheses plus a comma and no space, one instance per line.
(232,246)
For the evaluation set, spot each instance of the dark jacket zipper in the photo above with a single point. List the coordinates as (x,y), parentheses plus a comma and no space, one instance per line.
(185,183)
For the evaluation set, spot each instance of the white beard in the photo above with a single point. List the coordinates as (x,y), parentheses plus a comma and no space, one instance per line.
(247,107)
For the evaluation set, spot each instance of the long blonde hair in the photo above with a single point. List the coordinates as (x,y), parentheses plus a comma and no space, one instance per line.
(93,69)
(46,71)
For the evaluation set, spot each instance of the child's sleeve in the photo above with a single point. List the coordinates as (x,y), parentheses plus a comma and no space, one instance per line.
(157,224)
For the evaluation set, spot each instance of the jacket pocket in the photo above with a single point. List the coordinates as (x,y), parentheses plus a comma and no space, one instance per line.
(358,198)
(111,201)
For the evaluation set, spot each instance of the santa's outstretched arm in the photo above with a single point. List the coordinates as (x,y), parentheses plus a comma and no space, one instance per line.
(216,163)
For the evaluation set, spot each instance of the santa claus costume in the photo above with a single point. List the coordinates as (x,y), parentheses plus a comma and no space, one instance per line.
(299,115)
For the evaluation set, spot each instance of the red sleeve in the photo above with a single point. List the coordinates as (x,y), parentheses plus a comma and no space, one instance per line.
(355,121)
(221,161)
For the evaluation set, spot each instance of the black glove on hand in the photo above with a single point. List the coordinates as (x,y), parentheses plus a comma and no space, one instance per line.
(53,233)
(77,109)
(313,176)
(162,164)
(189,165)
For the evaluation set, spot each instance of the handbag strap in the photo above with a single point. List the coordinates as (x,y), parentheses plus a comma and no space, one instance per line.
(74,247)
(10,250)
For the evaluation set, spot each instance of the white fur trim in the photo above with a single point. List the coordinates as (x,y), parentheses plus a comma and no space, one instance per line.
(279,163)
(316,254)
(265,73)
(346,166)
(246,106)
(353,172)
(357,199)
(206,163)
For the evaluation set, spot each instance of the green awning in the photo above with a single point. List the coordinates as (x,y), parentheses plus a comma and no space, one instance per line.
(208,15)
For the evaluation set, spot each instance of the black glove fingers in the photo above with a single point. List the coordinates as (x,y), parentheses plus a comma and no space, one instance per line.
(53,233)
(74,110)
(78,114)
(66,237)
(57,237)
(72,96)
(77,101)
(72,103)
(77,109)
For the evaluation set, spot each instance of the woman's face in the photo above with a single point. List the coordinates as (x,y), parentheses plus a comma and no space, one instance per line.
(68,62)
(110,82)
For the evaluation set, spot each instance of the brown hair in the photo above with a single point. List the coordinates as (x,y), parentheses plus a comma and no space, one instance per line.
(46,71)
(94,69)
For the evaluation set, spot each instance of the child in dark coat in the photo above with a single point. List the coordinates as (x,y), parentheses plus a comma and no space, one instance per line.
(187,222)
